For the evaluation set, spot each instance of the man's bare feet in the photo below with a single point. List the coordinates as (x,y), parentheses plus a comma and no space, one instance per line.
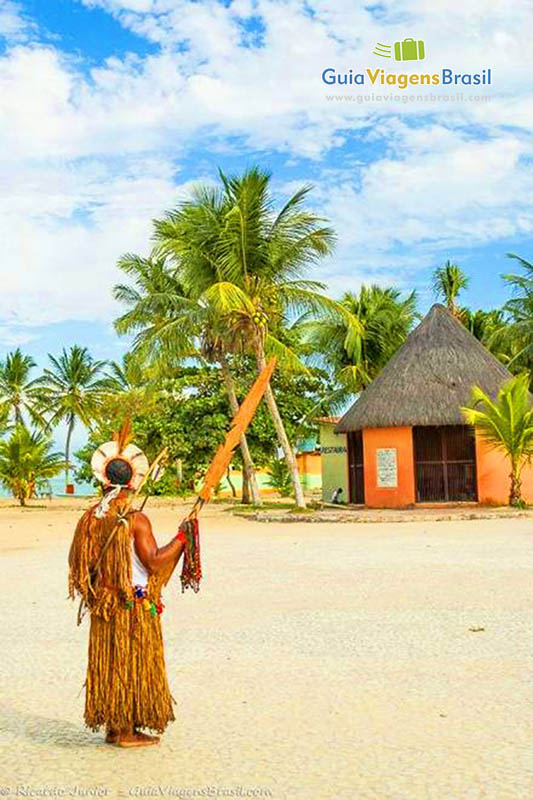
(146,738)
(135,739)
(111,736)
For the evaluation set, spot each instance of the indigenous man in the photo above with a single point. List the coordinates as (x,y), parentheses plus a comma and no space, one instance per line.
(117,569)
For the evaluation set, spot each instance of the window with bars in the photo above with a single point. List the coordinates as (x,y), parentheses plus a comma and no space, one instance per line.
(445,463)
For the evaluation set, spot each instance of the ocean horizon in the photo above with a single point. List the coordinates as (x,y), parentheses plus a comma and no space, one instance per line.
(57,485)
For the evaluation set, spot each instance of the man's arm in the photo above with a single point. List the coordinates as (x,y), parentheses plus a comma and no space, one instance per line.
(152,556)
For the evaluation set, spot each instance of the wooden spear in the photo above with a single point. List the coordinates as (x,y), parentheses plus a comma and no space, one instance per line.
(239,424)
(223,455)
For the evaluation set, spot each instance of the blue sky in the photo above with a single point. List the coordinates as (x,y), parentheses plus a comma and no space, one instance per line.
(111,109)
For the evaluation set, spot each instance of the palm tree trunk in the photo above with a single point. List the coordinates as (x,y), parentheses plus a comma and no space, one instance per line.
(248,465)
(515,493)
(245,492)
(280,429)
(67,448)
(232,485)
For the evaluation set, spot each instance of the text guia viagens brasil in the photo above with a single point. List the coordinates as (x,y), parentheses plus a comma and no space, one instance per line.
(378,77)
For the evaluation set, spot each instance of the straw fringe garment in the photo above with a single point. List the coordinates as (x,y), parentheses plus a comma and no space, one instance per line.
(126,674)
(126,684)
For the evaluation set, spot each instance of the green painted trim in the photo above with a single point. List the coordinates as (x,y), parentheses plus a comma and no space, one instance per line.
(334,461)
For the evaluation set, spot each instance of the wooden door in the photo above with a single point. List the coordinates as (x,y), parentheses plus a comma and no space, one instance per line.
(445,463)
(356,469)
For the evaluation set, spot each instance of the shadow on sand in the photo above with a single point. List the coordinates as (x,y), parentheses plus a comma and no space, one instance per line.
(17,724)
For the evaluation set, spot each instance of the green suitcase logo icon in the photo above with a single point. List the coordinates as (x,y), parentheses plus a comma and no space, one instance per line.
(409,50)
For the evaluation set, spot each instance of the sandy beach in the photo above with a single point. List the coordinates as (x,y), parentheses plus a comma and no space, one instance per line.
(318,662)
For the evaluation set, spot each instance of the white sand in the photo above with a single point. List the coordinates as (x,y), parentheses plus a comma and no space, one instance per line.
(317,662)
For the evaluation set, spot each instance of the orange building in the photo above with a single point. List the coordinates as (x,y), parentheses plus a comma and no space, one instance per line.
(405,435)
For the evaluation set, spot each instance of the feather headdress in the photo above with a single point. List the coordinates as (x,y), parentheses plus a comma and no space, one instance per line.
(120,448)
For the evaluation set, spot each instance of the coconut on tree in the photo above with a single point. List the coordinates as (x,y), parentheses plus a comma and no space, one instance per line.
(173,327)
(232,249)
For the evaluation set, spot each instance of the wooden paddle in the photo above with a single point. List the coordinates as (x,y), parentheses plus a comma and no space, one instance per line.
(239,424)
(224,454)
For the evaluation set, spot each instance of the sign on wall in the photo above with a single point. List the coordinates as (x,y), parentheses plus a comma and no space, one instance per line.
(387,464)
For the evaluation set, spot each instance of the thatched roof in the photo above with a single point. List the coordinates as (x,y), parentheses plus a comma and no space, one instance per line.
(428,379)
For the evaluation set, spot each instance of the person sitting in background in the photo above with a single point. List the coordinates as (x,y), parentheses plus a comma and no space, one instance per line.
(336,496)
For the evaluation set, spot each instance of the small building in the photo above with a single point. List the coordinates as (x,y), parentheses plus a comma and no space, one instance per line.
(308,459)
(333,455)
(404,440)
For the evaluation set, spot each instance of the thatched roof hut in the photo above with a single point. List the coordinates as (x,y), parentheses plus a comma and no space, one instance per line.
(428,379)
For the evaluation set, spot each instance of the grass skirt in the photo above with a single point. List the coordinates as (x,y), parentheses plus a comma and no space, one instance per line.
(126,675)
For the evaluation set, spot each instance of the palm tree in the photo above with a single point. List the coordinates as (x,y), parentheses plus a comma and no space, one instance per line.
(355,348)
(519,332)
(448,281)
(492,329)
(72,389)
(248,262)
(173,326)
(17,392)
(26,463)
(506,424)
(483,324)
(279,477)
(132,384)
(522,285)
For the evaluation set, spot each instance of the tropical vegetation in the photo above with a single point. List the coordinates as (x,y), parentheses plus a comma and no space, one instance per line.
(27,463)
(448,282)
(228,283)
(506,424)
(18,393)
(279,477)
(357,345)
(70,391)
(238,269)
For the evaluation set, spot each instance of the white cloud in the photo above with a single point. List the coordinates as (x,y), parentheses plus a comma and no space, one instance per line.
(15,337)
(272,94)
(64,228)
(446,192)
(14,26)
(87,160)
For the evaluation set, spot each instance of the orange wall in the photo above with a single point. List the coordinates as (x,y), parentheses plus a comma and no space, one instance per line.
(493,476)
(309,463)
(387,497)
